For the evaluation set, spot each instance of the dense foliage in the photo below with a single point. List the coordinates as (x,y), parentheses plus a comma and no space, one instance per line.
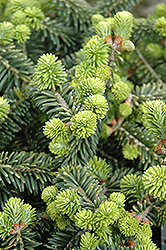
(82,125)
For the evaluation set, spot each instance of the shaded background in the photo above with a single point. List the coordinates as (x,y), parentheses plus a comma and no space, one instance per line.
(146,7)
(143,9)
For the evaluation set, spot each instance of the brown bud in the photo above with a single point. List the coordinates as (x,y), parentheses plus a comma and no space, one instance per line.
(164,142)
(131,244)
(127,45)
(109,40)
(120,120)
(16,228)
(158,147)
(111,130)
(113,122)
(44,216)
(117,40)
(101,182)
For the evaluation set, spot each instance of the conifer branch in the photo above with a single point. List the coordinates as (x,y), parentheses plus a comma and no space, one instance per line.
(148,66)
(61,100)
(79,118)
(8,66)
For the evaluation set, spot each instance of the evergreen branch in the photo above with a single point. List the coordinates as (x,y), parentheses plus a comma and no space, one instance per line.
(150,91)
(20,115)
(58,35)
(144,140)
(61,101)
(61,105)
(144,30)
(25,171)
(107,7)
(16,69)
(86,185)
(8,66)
(142,72)
(148,66)
(76,13)
(81,149)
(61,240)
(113,182)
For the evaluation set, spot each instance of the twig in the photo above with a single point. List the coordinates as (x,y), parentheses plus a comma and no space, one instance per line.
(148,66)
(61,100)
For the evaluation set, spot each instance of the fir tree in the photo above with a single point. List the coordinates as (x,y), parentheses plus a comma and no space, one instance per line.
(82,125)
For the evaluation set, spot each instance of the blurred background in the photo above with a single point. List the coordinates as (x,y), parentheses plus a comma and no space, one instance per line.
(146,7)
(143,9)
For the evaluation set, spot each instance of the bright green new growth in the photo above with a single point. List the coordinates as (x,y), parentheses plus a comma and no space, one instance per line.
(162,215)
(81,204)
(4,108)
(155,50)
(5,225)
(22,33)
(154,118)
(52,211)
(19,17)
(144,231)
(15,211)
(132,186)
(124,110)
(49,194)
(84,219)
(68,202)
(15,5)
(103,72)
(107,214)
(97,104)
(31,16)
(130,152)
(154,181)
(128,225)
(160,26)
(97,18)
(91,86)
(49,72)
(146,245)
(103,29)
(120,91)
(160,10)
(18,211)
(6,32)
(97,52)
(55,129)
(123,23)
(84,70)
(99,168)
(128,45)
(58,148)
(83,124)
(61,220)
(105,133)
(118,198)
(34,16)
(63,206)
(89,241)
